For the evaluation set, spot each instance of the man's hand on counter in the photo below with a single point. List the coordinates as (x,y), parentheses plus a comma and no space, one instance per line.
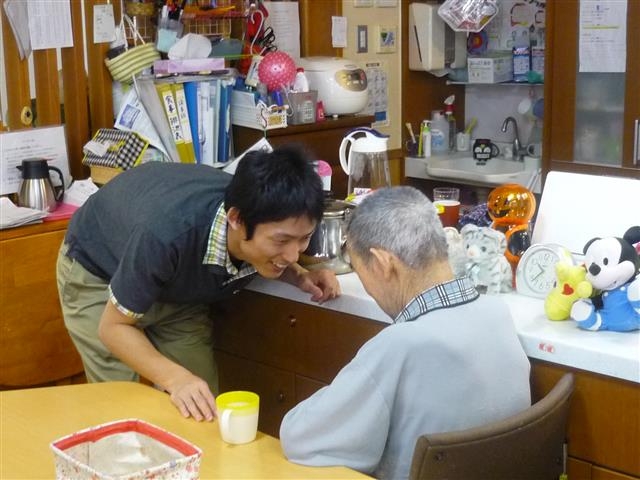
(321,284)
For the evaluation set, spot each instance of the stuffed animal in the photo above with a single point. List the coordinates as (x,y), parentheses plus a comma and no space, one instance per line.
(457,254)
(486,264)
(570,286)
(612,265)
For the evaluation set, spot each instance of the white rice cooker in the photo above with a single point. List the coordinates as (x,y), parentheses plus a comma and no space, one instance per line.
(341,85)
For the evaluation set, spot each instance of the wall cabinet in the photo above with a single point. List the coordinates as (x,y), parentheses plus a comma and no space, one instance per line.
(36,348)
(591,118)
(285,351)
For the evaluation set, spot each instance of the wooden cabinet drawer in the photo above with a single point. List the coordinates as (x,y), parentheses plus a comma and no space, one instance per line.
(36,348)
(604,419)
(305,387)
(325,341)
(275,387)
(256,327)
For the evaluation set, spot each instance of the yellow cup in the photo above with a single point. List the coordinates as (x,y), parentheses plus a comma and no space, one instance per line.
(238,416)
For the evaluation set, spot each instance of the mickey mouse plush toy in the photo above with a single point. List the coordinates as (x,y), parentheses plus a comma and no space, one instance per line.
(612,265)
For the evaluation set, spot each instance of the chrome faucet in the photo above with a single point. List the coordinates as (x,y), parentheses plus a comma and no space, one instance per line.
(518,150)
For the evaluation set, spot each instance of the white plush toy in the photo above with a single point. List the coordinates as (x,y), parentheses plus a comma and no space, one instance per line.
(456,251)
(486,264)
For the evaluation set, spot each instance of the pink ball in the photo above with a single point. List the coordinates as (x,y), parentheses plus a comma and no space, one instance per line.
(277,70)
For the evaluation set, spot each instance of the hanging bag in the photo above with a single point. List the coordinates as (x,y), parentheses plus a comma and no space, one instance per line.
(132,61)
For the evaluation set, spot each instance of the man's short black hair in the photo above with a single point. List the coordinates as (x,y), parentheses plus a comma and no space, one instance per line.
(270,187)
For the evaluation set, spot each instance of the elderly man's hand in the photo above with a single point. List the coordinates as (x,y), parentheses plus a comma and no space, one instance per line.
(321,284)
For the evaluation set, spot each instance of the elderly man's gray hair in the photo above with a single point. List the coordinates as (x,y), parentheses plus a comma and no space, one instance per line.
(400,220)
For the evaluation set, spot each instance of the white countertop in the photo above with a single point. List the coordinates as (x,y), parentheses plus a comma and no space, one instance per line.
(615,354)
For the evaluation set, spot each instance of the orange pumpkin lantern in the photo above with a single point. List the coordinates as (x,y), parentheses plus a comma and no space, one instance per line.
(511,207)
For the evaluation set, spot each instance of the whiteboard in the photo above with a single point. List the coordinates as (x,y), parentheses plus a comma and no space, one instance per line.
(576,208)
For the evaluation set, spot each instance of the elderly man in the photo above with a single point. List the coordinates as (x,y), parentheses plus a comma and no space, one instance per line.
(451,360)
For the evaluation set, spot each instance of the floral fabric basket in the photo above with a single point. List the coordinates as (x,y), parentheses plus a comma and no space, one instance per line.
(125,450)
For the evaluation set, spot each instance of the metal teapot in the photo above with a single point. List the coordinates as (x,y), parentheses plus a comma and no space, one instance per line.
(326,247)
(36,190)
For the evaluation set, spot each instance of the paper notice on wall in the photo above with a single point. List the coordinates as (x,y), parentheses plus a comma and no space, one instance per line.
(46,142)
(50,24)
(377,93)
(603,36)
(339,32)
(284,19)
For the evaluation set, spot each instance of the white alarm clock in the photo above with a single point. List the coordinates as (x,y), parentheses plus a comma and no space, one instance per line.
(536,271)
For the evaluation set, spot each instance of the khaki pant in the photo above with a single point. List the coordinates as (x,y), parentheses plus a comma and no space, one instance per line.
(183,333)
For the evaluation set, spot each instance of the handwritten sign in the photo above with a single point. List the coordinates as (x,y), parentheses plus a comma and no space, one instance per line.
(18,145)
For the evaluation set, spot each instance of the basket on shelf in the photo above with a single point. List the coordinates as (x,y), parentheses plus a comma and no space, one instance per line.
(143,16)
(140,8)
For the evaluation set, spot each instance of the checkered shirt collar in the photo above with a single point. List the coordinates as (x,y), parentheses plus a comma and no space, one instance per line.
(444,295)
(217,253)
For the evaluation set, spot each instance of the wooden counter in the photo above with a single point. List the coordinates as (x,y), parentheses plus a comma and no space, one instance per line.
(33,418)
(296,347)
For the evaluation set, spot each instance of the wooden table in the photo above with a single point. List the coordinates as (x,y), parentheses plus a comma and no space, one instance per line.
(31,419)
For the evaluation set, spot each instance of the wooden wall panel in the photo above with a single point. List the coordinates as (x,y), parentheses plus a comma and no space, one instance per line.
(315,27)
(100,99)
(75,95)
(561,52)
(47,88)
(16,74)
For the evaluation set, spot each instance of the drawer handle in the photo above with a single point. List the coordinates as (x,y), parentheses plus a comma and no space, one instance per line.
(292,321)
(281,397)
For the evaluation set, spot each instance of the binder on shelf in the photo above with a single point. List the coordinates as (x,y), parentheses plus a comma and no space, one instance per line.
(165,92)
(185,123)
(192,94)
(154,107)
(209,93)
(224,118)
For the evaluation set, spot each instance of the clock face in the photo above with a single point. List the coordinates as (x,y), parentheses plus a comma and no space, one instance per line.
(536,274)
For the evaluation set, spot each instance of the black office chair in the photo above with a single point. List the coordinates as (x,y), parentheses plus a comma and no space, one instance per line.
(525,446)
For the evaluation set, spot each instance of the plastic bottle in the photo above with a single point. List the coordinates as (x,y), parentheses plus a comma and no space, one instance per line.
(439,133)
(426,138)
(300,83)
(451,121)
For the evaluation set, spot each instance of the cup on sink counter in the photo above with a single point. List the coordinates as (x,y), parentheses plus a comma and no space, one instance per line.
(463,142)
(447,202)
(238,416)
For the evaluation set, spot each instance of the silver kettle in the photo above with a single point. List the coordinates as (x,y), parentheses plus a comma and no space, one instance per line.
(36,190)
(326,247)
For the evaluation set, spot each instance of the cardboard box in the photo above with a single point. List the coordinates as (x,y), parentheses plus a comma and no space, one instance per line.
(490,68)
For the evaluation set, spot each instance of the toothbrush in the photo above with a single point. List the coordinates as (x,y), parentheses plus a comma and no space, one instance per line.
(471,126)
(410,128)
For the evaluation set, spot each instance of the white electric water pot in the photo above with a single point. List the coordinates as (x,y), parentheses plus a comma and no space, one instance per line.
(366,162)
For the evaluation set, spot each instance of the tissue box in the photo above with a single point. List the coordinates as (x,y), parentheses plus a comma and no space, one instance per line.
(125,449)
(493,68)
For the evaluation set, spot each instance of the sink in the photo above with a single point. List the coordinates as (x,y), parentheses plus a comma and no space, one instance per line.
(495,171)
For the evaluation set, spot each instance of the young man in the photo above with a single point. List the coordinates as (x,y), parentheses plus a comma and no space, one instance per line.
(450,361)
(147,254)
